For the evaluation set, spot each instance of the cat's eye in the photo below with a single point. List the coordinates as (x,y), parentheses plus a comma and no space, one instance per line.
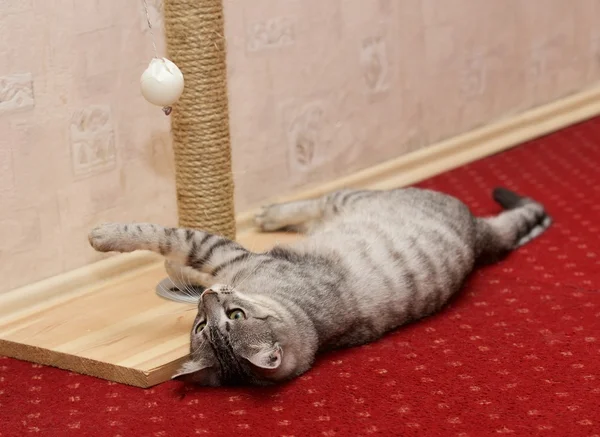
(236,314)
(199,327)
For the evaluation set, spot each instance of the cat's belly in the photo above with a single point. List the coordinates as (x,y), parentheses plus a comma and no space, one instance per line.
(395,281)
(382,309)
(400,265)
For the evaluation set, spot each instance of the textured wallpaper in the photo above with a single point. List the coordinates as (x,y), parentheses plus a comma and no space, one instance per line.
(318,89)
(78,144)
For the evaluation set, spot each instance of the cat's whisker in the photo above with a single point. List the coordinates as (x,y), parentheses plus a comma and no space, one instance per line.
(182,294)
(174,296)
(182,280)
(188,289)
(179,311)
(254,270)
(197,349)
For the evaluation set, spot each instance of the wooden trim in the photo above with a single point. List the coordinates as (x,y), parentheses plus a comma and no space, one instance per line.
(106,320)
(454,152)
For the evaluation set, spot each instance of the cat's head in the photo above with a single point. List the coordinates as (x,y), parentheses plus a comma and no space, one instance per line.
(234,341)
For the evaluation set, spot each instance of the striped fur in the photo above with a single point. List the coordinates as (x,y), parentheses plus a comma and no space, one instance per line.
(372,261)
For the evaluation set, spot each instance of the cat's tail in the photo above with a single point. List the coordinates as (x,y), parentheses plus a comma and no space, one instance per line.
(522,220)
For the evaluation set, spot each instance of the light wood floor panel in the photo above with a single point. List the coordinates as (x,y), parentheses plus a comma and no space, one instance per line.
(117,329)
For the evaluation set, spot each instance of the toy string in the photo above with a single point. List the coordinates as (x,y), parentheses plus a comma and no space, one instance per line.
(151,29)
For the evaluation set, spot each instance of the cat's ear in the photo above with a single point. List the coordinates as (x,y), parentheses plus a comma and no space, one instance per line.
(196,372)
(265,357)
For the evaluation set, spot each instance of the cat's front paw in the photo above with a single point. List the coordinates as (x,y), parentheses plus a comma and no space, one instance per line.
(106,237)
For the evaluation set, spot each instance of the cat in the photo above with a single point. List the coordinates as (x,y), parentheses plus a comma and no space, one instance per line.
(371,261)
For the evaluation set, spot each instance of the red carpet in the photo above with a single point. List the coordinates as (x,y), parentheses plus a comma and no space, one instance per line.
(518,352)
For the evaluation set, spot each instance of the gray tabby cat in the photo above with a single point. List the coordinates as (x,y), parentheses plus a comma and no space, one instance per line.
(372,261)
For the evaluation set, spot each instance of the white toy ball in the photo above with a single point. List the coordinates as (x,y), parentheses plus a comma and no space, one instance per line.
(162,82)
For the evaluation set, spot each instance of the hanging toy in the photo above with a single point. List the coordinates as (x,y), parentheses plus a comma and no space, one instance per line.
(162,82)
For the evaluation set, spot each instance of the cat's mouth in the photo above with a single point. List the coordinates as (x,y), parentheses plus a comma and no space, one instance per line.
(264,372)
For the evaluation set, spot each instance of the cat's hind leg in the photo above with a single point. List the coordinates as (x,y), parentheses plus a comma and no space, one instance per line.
(291,216)
(304,215)
(523,220)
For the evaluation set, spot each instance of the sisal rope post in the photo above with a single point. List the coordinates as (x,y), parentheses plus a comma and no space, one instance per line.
(200,119)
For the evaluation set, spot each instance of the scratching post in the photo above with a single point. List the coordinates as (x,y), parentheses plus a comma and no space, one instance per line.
(200,119)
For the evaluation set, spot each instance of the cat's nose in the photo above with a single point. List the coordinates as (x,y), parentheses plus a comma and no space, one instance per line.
(209,292)
(211,302)
(209,295)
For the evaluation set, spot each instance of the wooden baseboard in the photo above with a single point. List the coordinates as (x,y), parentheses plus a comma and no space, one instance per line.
(454,152)
(105,319)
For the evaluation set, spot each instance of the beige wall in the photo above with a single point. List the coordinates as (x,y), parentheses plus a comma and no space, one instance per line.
(78,144)
(318,89)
